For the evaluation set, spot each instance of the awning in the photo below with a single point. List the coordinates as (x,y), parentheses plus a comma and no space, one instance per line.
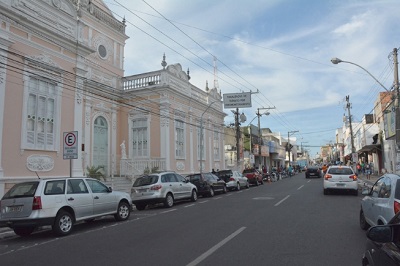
(371,147)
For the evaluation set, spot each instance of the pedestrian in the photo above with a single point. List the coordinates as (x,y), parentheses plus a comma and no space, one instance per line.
(358,168)
(368,170)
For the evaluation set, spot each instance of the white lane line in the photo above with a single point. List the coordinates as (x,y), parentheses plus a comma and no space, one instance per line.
(308,181)
(218,198)
(190,205)
(282,200)
(172,210)
(204,201)
(300,187)
(214,248)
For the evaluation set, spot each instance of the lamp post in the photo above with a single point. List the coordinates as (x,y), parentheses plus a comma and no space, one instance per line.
(395,94)
(202,136)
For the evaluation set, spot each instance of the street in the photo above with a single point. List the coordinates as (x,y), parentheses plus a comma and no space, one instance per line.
(289,222)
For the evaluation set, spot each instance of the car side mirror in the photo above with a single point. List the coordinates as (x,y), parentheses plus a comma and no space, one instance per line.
(365,191)
(381,233)
(110,189)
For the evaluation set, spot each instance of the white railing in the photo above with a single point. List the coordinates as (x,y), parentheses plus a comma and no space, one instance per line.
(140,81)
(134,167)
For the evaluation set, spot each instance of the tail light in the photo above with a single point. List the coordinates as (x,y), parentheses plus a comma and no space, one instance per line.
(327,176)
(156,187)
(231,179)
(354,177)
(37,203)
(396,207)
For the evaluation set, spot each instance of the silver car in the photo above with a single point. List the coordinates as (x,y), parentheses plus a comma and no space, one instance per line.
(236,181)
(60,202)
(340,178)
(381,202)
(164,187)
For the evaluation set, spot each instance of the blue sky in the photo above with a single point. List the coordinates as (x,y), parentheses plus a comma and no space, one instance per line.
(280,47)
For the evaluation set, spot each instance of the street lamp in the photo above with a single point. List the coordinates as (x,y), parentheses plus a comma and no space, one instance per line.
(202,137)
(336,61)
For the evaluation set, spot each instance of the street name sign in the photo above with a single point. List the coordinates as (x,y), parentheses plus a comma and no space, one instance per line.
(70,145)
(237,100)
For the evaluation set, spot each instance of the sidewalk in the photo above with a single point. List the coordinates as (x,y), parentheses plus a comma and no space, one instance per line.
(368,182)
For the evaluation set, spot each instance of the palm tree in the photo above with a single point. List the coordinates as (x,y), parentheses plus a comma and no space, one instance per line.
(96,172)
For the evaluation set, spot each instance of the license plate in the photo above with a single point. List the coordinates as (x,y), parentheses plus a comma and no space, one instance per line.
(340,184)
(142,190)
(14,208)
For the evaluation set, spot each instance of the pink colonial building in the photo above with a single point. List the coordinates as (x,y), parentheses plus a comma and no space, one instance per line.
(61,70)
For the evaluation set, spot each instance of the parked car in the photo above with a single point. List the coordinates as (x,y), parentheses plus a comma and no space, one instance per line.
(381,202)
(254,176)
(383,244)
(340,178)
(60,202)
(207,183)
(312,171)
(163,187)
(234,180)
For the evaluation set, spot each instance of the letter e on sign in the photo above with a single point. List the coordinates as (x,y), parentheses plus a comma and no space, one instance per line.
(70,145)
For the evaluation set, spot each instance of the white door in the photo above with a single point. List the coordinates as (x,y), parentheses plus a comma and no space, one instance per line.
(100,143)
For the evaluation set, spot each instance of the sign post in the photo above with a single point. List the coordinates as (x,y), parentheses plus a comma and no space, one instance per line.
(70,148)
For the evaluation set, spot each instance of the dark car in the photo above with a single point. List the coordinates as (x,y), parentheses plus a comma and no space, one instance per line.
(207,183)
(383,244)
(254,176)
(224,174)
(313,171)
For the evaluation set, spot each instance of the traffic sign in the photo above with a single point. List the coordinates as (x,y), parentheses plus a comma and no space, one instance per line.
(70,145)
(237,100)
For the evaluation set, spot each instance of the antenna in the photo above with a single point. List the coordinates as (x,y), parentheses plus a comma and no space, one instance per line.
(215,73)
(37,175)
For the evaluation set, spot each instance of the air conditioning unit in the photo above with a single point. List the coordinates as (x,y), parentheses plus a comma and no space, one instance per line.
(369,118)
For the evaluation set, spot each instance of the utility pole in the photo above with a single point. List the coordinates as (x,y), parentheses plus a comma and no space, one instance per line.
(242,118)
(397,113)
(288,143)
(259,132)
(353,149)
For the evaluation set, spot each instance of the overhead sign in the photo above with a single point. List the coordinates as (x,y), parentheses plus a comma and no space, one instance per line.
(237,100)
(71,145)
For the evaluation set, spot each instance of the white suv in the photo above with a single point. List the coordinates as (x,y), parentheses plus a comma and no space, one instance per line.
(164,187)
(60,203)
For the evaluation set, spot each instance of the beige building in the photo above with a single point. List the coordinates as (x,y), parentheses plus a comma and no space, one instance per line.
(63,65)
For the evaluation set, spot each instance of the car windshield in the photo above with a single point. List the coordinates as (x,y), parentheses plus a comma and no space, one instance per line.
(194,178)
(22,190)
(340,171)
(145,180)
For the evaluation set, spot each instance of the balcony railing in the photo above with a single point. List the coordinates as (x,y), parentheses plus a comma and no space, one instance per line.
(134,167)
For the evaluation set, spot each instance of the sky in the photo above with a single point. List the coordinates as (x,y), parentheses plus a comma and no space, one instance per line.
(278,49)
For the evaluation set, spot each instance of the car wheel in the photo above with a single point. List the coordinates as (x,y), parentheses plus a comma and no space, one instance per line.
(140,206)
(211,193)
(238,186)
(256,182)
(224,190)
(194,196)
(247,184)
(262,182)
(123,212)
(63,224)
(363,223)
(24,231)
(169,201)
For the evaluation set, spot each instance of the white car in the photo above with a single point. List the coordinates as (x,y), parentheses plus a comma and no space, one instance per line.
(164,187)
(381,202)
(341,178)
(60,202)
(234,180)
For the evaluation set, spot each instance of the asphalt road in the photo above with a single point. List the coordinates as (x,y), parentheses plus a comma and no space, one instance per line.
(289,222)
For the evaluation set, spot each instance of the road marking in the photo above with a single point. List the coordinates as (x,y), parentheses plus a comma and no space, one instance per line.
(230,194)
(308,181)
(214,248)
(218,198)
(172,210)
(282,200)
(300,187)
(190,205)
(204,201)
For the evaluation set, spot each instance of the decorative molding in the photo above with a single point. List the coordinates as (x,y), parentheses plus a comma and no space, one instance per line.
(39,163)
(180,166)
